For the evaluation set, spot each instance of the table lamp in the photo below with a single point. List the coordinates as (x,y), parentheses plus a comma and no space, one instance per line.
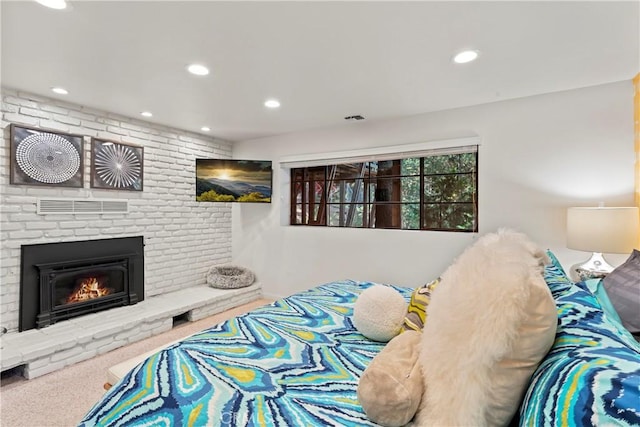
(600,230)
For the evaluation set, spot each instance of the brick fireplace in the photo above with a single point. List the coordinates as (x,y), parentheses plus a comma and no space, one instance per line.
(60,281)
(182,239)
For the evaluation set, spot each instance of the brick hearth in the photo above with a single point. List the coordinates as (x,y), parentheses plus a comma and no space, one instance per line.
(41,351)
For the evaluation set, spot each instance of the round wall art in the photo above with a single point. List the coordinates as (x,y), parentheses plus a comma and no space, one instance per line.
(116,166)
(45,158)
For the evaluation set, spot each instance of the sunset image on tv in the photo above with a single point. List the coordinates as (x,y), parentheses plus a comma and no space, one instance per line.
(227,180)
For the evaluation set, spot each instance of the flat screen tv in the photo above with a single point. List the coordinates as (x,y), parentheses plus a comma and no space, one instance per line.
(232,180)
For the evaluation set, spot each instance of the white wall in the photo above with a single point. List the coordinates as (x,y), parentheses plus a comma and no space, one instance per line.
(538,156)
(183,238)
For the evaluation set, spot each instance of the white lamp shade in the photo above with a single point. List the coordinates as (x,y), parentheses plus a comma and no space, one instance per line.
(606,230)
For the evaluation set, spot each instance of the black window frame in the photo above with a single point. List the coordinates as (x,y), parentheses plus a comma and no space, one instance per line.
(311,194)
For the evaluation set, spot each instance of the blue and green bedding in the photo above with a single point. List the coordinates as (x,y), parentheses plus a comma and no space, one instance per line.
(591,376)
(293,363)
(297,363)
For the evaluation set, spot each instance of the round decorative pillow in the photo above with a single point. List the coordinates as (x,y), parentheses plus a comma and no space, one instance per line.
(379,312)
(229,277)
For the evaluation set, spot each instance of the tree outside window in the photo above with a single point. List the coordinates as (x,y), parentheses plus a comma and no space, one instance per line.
(432,192)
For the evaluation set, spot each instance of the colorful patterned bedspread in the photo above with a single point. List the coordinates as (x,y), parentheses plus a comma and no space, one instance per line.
(293,363)
(591,376)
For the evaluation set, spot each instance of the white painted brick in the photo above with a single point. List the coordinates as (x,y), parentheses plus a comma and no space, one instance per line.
(77,193)
(39,363)
(15,100)
(141,136)
(112,230)
(20,119)
(11,361)
(10,208)
(93,125)
(23,235)
(127,334)
(139,336)
(159,138)
(123,222)
(111,346)
(47,369)
(62,112)
(59,233)
(98,343)
(29,208)
(85,355)
(43,192)
(83,116)
(33,112)
(86,232)
(18,200)
(72,224)
(131,126)
(9,108)
(169,157)
(62,355)
(162,328)
(107,121)
(54,125)
(117,130)
(40,225)
(32,97)
(66,119)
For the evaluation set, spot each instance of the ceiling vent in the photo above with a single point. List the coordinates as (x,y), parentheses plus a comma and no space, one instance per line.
(81,206)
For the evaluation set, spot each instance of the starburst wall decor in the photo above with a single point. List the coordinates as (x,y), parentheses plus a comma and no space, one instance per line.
(116,166)
(43,157)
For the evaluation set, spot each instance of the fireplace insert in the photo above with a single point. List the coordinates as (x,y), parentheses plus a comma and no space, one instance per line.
(60,281)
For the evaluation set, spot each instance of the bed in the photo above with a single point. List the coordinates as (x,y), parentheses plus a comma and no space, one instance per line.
(294,362)
(297,362)
(591,375)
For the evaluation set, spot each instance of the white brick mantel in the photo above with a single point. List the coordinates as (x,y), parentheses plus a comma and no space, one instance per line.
(183,238)
(40,351)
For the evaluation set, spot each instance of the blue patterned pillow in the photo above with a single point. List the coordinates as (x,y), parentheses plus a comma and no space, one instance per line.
(556,278)
(591,375)
(596,286)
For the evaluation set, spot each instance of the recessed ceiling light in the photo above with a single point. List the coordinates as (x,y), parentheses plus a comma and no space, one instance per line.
(466,56)
(53,4)
(205,128)
(146,114)
(198,70)
(60,90)
(272,103)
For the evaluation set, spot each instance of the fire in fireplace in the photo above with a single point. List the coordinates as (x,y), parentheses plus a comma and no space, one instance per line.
(88,289)
(64,280)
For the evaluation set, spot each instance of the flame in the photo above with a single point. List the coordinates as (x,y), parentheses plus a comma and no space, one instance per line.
(88,289)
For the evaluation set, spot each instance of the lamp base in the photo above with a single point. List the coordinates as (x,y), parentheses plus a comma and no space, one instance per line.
(595,268)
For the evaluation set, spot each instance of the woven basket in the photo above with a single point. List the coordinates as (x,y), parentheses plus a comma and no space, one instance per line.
(229,277)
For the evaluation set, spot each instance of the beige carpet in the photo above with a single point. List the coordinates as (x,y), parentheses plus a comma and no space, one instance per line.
(63,397)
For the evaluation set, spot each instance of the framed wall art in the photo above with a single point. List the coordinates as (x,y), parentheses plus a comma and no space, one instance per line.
(116,166)
(233,180)
(45,157)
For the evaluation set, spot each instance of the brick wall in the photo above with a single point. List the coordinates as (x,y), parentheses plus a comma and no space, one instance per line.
(183,238)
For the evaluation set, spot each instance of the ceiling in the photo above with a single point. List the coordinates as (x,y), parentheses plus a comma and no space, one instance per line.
(322,60)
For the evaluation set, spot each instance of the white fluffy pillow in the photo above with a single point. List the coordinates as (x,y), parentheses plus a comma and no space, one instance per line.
(491,321)
(379,312)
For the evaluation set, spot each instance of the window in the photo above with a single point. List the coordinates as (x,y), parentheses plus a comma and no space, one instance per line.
(437,191)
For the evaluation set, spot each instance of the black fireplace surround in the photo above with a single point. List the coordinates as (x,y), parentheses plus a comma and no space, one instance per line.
(59,281)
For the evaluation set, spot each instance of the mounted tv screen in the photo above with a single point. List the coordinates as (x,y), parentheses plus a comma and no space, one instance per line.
(231,180)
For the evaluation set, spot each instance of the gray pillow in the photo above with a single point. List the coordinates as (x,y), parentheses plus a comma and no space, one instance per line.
(623,288)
